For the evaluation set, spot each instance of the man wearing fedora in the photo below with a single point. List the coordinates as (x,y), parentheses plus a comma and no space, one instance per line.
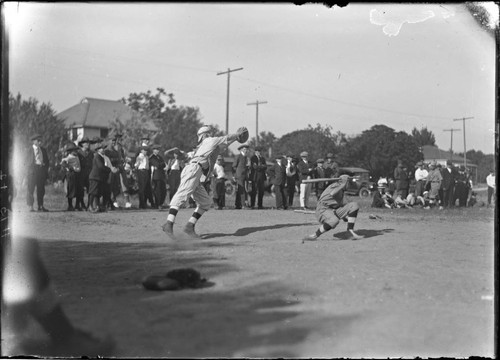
(402,181)
(258,177)
(37,172)
(98,179)
(277,177)
(240,168)
(86,156)
(449,174)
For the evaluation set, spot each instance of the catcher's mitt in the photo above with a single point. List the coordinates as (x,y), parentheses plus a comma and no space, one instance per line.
(243,134)
(186,277)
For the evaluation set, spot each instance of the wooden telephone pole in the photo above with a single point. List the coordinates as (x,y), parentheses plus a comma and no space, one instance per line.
(451,146)
(228,72)
(465,149)
(256,103)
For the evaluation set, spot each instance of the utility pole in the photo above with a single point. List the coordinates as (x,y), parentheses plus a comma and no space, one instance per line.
(451,146)
(465,149)
(256,103)
(228,72)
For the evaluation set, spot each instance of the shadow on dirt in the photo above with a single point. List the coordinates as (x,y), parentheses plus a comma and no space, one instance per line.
(249,230)
(345,235)
(100,286)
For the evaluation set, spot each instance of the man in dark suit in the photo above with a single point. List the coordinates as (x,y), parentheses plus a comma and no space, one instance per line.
(258,177)
(37,172)
(240,169)
(158,176)
(277,177)
(449,174)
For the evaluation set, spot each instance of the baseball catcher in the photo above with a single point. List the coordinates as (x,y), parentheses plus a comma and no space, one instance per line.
(202,163)
(331,209)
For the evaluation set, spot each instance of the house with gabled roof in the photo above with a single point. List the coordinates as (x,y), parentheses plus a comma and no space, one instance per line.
(93,117)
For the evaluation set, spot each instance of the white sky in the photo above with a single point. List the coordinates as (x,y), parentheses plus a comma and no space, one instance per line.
(312,64)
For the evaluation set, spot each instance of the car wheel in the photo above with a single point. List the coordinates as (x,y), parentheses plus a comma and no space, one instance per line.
(364,193)
(229,188)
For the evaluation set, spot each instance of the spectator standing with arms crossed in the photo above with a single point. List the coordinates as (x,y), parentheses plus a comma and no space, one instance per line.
(420,178)
(202,162)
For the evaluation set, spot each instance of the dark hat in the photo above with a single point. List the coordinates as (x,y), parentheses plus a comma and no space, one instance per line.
(320,161)
(462,167)
(243,146)
(71,147)
(36,137)
(95,140)
(156,147)
(449,162)
(99,145)
(84,140)
(145,137)
(258,148)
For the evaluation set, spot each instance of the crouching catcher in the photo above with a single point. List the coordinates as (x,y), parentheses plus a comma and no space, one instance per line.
(331,209)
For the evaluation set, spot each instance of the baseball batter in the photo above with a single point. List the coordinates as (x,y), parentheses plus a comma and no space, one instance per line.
(331,209)
(202,163)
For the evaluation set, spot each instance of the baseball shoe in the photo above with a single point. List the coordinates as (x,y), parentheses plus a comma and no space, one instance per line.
(189,229)
(311,237)
(168,228)
(355,236)
(41,208)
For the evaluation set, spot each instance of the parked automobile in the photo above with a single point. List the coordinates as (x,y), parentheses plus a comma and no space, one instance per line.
(361,185)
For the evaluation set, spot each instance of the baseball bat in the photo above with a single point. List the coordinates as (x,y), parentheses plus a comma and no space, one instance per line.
(308,181)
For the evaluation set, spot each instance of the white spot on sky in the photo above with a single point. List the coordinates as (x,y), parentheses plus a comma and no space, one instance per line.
(392,20)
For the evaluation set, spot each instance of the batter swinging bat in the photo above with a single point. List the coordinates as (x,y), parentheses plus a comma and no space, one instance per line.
(308,181)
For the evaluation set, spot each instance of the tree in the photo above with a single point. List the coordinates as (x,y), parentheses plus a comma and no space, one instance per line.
(379,149)
(317,141)
(484,163)
(27,117)
(423,137)
(176,125)
(266,141)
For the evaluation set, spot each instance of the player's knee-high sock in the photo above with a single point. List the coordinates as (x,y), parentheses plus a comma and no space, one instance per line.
(323,229)
(351,219)
(172,213)
(196,215)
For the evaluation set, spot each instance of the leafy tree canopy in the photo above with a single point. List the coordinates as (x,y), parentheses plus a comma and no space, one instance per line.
(423,137)
(378,150)
(317,141)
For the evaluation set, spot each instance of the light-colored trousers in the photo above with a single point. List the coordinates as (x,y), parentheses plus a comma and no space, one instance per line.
(191,186)
(305,192)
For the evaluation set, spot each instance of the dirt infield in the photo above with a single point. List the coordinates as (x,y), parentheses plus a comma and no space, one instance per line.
(419,284)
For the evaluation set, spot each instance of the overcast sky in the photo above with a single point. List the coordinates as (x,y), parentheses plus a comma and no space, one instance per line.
(401,65)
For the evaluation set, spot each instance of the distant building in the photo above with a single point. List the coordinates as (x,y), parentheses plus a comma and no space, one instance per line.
(433,153)
(93,117)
